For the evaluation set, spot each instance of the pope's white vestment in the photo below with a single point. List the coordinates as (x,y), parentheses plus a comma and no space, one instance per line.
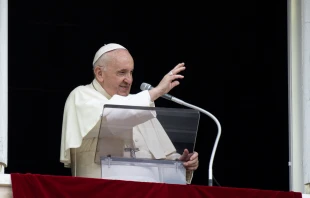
(81,122)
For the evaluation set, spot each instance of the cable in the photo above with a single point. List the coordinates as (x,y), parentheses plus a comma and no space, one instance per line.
(216,181)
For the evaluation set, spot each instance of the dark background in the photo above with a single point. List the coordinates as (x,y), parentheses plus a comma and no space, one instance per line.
(236,58)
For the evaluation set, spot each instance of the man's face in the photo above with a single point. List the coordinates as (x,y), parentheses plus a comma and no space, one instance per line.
(117,78)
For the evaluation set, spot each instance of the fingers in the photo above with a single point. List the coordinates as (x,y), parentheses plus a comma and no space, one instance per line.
(191,165)
(179,65)
(194,156)
(167,83)
(193,162)
(191,157)
(174,77)
(174,84)
(177,69)
(185,152)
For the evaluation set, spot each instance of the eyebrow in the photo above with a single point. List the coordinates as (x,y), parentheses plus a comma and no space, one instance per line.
(124,70)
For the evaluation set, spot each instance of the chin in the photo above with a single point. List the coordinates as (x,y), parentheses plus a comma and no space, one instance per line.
(124,94)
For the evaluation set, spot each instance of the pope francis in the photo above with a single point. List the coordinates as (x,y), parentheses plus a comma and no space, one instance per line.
(113,67)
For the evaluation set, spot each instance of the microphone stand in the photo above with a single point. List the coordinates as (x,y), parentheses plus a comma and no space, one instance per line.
(210,181)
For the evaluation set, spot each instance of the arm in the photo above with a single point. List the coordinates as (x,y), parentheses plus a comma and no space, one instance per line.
(128,117)
(131,118)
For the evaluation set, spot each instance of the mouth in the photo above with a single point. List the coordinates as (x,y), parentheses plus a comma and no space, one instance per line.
(124,87)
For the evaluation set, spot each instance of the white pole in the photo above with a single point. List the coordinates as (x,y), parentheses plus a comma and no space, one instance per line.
(219,132)
(295,93)
(3,83)
(306,91)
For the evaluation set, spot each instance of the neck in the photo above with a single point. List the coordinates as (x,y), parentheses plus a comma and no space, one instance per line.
(97,86)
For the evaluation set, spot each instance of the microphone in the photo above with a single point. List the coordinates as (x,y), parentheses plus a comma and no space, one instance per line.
(146,86)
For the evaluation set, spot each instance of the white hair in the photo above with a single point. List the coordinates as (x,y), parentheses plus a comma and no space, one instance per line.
(102,61)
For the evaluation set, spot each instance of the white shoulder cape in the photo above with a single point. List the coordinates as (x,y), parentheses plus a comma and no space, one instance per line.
(83,110)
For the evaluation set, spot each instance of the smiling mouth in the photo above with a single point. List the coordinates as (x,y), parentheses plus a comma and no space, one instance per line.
(124,87)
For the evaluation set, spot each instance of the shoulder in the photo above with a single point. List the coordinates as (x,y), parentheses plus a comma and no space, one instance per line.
(82,89)
(86,94)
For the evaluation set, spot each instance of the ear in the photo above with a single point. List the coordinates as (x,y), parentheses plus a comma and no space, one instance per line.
(98,73)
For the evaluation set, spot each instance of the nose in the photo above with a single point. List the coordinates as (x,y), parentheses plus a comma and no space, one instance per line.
(128,78)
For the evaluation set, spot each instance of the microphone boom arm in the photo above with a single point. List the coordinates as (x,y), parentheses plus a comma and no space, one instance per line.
(145,86)
(210,180)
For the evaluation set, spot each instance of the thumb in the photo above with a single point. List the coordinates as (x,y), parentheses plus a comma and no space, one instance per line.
(184,155)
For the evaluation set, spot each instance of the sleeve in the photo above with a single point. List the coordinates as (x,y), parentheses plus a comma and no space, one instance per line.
(189,176)
(128,117)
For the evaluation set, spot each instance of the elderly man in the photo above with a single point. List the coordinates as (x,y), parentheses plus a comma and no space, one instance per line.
(113,67)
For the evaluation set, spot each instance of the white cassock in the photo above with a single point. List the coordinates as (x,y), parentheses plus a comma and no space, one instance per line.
(81,123)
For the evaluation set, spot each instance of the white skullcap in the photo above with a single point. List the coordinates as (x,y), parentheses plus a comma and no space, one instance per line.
(106,48)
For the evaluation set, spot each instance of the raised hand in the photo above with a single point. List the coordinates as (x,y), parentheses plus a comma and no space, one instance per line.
(168,82)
